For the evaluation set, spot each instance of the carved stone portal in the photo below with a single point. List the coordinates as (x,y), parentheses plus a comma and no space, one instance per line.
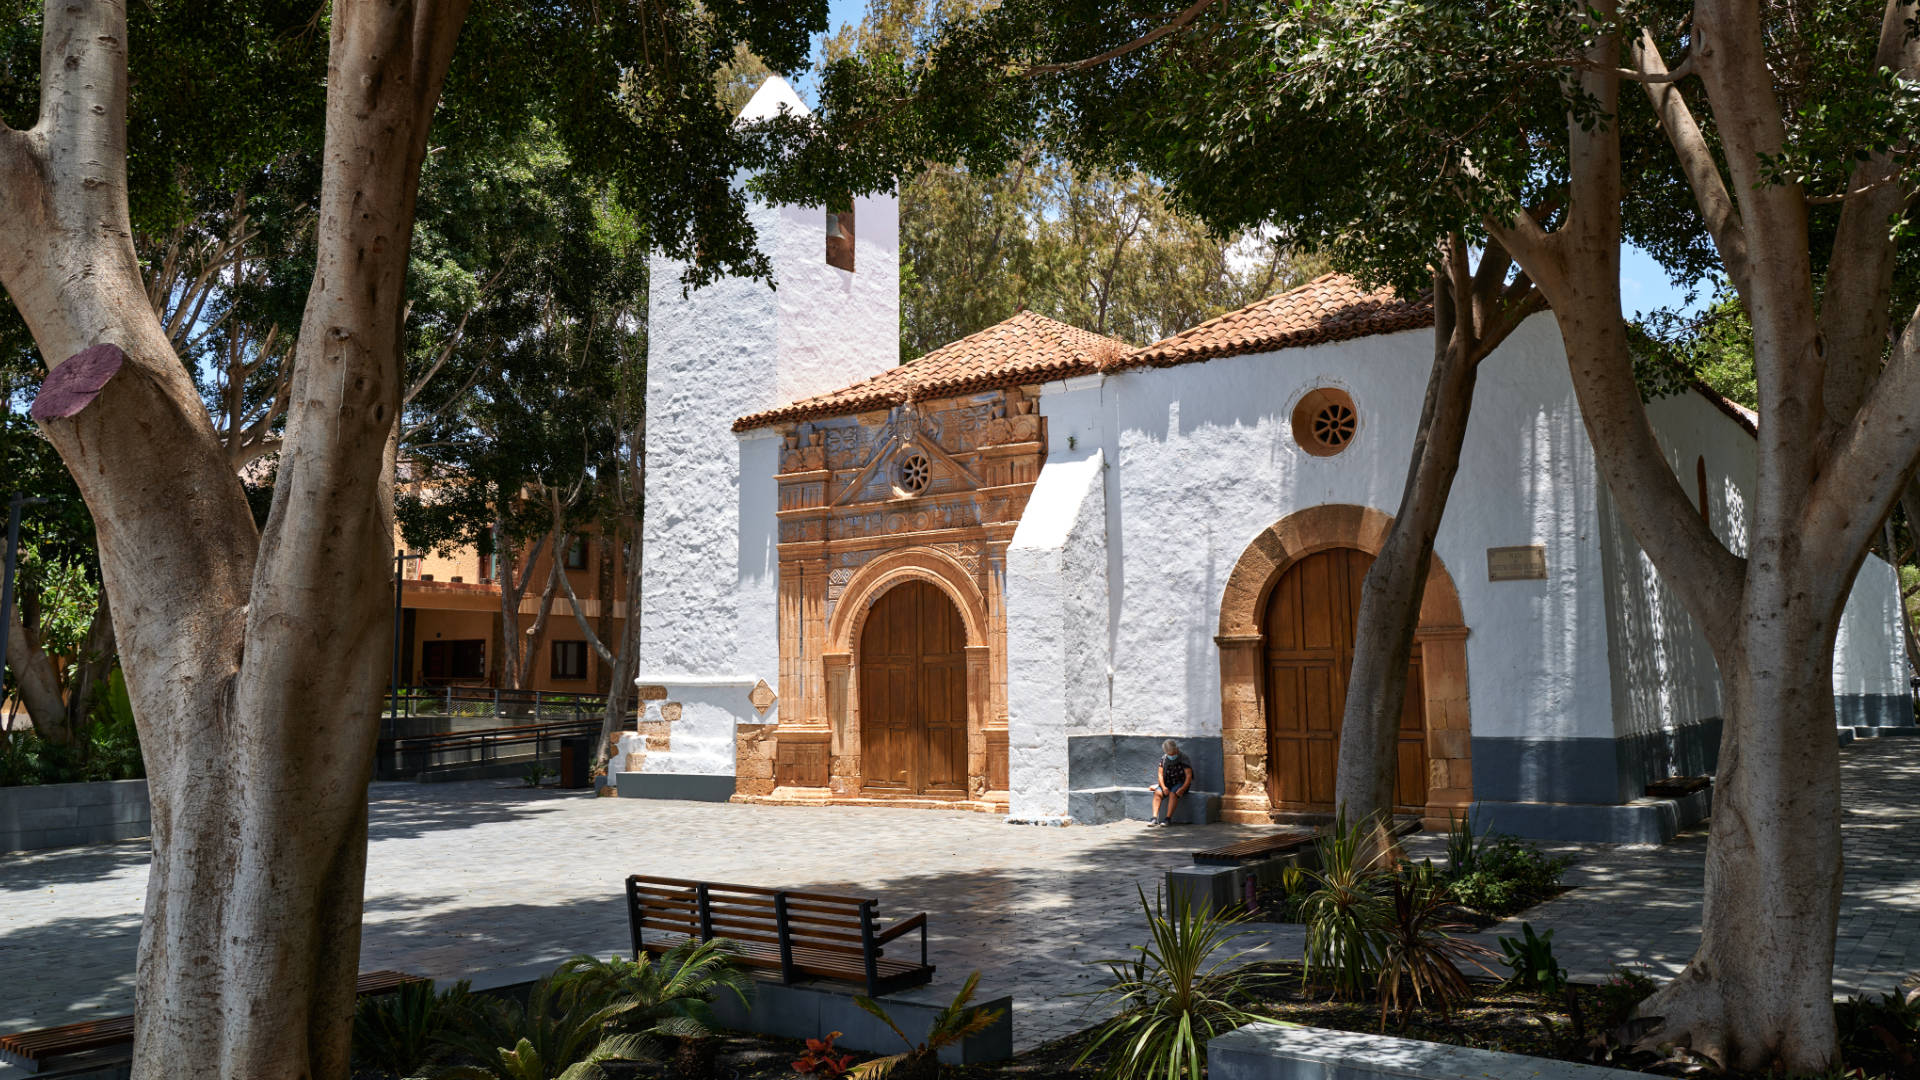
(933,492)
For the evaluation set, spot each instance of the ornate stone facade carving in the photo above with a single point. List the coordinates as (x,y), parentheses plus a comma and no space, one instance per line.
(848,531)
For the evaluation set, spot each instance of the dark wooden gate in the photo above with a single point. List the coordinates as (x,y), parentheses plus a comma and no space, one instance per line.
(1310,633)
(913,695)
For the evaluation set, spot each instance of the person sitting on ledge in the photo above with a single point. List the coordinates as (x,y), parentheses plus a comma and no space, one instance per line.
(1175,777)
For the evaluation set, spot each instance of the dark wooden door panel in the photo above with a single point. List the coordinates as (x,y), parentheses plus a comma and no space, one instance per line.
(1310,625)
(913,694)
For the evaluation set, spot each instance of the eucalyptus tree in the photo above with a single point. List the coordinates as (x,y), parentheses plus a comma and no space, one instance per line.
(254,656)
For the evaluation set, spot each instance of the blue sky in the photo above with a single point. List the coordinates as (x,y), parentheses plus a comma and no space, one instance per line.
(1643,285)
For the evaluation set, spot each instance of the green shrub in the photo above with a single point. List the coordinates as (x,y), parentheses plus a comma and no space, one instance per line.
(1881,1036)
(553,1036)
(108,747)
(1506,875)
(1532,960)
(1343,904)
(1173,996)
(404,1032)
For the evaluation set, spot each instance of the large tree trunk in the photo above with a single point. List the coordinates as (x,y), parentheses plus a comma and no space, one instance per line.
(1390,596)
(254,663)
(1758,993)
(1473,313)
(38,683)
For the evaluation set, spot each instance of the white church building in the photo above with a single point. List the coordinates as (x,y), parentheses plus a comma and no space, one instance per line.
(997,577)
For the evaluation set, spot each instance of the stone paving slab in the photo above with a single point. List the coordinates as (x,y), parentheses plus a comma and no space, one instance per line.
(463,878)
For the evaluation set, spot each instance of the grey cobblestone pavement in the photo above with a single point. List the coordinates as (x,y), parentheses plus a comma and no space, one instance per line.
(471,877)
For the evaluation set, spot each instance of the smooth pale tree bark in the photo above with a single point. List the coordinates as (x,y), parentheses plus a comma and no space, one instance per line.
(521,651)
(1838,435)
(254,661)
(1474,311)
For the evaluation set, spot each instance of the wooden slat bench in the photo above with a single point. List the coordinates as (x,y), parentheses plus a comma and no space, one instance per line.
(1259,847)
(1677,787)
(33,1050)
(798,934)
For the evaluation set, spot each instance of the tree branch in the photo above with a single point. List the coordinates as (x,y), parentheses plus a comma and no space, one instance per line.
(1882,441)
(579,616)
(1696,161)
(1138,43)
(1856,306)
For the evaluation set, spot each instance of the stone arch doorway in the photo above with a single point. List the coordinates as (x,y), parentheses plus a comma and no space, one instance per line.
(844,773)
(913,695)
(1309,624)
(1246,692)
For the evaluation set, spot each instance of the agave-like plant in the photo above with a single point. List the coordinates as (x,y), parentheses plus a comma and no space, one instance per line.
(1174,994)
(552,1037)
(1418,952)
(1345,907)
(958,1021)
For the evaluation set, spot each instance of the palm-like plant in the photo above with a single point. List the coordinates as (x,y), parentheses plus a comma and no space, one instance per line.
(1174,995)
(552,1037)
(672,997)
(402,1032)
(1345,907)
(1418,952)
(954,1024)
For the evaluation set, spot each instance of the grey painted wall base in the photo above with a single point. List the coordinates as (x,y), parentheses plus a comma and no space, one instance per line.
(1100,806)
(46,816)
(1590,770)
(1873,710)
(1642,821)
(1108,777)
(810,1010)
(1272,1052)
(692,787)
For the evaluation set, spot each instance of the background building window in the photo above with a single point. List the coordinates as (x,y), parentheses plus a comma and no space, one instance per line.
(449,661)
(569,659)
(577,554)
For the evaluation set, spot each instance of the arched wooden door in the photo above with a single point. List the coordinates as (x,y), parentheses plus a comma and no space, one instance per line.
(1309,629)
(913,695)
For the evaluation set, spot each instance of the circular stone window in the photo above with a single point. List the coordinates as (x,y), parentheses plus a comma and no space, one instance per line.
(1325,421)
(913,473)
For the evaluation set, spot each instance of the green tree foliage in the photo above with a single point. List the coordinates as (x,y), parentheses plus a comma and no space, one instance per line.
(1096,243)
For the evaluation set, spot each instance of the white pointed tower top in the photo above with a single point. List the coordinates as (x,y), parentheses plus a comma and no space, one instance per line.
(767,100)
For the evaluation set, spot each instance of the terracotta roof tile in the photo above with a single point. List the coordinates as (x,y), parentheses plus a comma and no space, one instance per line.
(1027,348)
(1331,307)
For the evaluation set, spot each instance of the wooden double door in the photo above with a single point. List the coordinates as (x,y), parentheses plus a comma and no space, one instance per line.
(1309,630)
(913,695)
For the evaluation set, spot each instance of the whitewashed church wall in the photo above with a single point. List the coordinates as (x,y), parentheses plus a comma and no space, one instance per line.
(1057,659)
(1870,686)
(710,360)
(1206,462)
(836,327)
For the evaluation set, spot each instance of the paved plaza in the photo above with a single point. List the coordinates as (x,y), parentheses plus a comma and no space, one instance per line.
(475,877)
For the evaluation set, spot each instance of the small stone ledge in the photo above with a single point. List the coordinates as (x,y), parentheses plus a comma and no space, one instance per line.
(1642,821)
(1277,1052)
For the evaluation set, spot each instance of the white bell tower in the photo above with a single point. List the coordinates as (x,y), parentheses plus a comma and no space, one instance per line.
(709,619)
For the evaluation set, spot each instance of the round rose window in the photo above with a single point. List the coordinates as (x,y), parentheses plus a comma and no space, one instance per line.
(915,472)
(1325,421)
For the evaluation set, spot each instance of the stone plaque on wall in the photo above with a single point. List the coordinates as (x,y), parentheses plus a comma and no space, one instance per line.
(1528,563)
